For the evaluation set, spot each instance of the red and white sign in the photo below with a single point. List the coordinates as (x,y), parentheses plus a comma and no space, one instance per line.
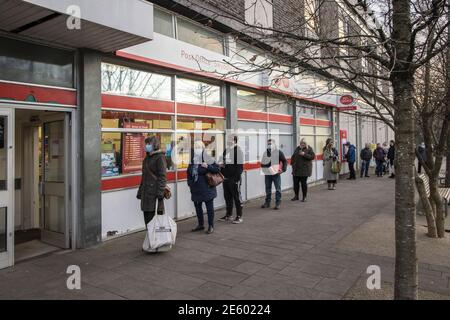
(133,152)
(347,102)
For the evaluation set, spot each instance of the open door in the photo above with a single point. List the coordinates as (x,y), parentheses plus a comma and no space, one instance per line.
(54,186)
(6,188)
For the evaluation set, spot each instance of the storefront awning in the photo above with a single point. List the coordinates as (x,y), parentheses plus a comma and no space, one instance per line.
(104,25)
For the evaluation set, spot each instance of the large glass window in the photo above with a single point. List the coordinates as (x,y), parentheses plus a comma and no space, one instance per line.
(3,227)
(199,36)
(163,23)
(199,123)
(285,144)
(279,105)
(196,92)
(126,81)
(124,119)
(30,63)
(251,101)
(322,114)
(214,143)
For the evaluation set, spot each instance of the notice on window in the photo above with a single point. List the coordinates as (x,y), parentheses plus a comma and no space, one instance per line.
(133,148)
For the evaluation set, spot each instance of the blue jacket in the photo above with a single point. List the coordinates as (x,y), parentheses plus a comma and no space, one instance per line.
(351,154)
(200,190)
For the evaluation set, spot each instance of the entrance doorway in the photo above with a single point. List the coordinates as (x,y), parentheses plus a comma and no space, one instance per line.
(38,173)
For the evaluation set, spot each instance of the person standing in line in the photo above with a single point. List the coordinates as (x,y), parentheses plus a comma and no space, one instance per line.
(273,164)
(301,162)
(391,158)
(423,156)
(385,163)
(153,182)
(330,154)
(232,167)
(201,163)
(351,159)
(366,157)
(380,157)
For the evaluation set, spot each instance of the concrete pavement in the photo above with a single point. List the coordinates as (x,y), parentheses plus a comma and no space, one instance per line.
(293,253)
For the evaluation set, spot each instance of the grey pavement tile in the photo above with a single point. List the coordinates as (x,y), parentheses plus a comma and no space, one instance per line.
(320,269)
(209,290)
(249,267)
(224,262)
(334,286)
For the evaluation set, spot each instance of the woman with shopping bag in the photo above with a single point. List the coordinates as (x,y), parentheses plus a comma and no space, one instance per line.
(153,184)
(203,177)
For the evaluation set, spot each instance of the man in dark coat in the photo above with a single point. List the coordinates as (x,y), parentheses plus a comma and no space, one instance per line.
(366,156)
(350,156)
(380,157)
(273,164)
(391,158)
(153,182)
(301,162)
(232,168)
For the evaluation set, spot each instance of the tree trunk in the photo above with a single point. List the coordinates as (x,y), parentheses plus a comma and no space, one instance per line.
(406,282)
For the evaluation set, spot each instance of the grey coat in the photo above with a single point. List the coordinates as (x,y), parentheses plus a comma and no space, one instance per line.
(152,189)
(328,157)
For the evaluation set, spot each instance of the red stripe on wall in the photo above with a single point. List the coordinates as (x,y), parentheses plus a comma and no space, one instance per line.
(131,103)
(313,122)
(319,156)
(128,182)
(28,93)
(200,110)
(280,118)
(252,115)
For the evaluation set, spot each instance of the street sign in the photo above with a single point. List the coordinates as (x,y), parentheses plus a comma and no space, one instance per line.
(347,102)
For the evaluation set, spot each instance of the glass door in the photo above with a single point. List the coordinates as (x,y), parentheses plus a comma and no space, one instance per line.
(54,185)
(6,188)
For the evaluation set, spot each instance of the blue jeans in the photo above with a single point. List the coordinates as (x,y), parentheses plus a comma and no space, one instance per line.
(365,164)
(276,179)
(209,210)
(379,169)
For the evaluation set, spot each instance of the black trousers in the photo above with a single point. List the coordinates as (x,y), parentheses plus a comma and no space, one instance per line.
(148,215)
(351,167)
(303,182)
(232,195)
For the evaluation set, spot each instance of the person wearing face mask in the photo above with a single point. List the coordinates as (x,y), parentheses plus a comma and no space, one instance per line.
(301,162)
(391,158)
(273,164)
(422,150)
(201,163)
(153,182)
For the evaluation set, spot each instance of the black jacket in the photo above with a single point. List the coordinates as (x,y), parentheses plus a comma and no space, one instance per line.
(302,165)
(391,153)
(153,180)
(266,161)
(233,168)
(366,154)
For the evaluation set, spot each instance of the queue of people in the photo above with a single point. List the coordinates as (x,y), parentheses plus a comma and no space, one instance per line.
(203,169)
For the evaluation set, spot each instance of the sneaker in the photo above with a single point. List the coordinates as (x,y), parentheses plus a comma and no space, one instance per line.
(198,228)
(304,199)
(210,230)
(294,198)
(225,218)
(238,220)
(367,176)
(265,205)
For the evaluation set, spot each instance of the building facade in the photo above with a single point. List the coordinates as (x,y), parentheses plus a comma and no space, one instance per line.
(77,103)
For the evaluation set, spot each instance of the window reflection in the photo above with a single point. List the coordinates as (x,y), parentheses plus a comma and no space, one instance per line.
(196,92)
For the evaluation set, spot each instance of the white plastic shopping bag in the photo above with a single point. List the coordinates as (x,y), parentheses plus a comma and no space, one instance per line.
(161,234)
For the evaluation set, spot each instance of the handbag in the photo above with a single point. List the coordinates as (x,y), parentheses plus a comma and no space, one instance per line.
(214,179)
(336,166)
(167,190)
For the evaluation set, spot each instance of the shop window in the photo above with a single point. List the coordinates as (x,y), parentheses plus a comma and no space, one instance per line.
(30,63)
(123,152)
(200,123)
(3,153)
(253,146)
(323,131)
(279,105)
(320,144)
(126,81)
(322,114)
(285,145)
(130,120)
(306,112)
(163,23)
(306,130)
(195,92)
(3,228)
(214,143)
(251,101)
(199,36)
(310,140)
